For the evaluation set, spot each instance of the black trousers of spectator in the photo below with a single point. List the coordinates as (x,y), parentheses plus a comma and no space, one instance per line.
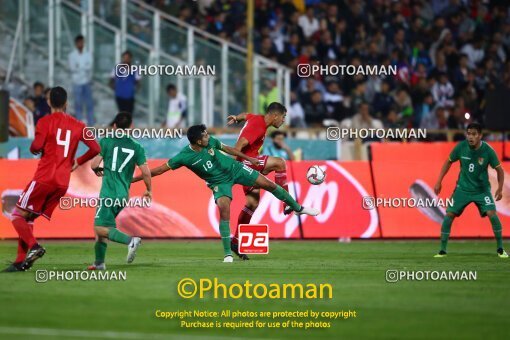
(125,104)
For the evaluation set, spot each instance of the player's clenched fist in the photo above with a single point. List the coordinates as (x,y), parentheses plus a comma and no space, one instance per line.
(147,194)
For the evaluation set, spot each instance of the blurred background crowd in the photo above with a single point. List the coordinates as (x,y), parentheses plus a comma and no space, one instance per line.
(448,53)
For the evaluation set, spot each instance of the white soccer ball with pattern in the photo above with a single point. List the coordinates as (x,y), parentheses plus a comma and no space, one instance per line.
(316,175)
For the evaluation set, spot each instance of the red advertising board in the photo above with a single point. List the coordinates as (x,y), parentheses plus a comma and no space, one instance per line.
(400,168)
(184,207)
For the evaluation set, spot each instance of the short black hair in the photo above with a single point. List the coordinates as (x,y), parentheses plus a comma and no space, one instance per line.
(170,87)
(38,83)
(78,38)
(123,120)
(58,97)
(276,107)
(195,132)
(278,133)
(127,52)
(475,126)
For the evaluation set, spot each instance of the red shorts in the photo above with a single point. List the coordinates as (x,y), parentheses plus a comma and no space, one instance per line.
(40,198)
(262,164)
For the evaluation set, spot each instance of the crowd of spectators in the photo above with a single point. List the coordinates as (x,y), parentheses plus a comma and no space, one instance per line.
(448,53)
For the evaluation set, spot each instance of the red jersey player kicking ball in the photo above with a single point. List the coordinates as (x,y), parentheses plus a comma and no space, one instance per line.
(250,141)
(57,136)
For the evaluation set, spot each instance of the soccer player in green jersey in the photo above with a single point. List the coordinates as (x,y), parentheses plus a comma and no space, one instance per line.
(119,156)
(204,156)
(473,184)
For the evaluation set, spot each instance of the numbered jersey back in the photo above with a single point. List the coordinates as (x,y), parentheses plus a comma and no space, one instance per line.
(62,134)
(120,156)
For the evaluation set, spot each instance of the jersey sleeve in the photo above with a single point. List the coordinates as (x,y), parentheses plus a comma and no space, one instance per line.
(250,129)
(92,144)
(455,154)
(41,130)
(493,159)
(140,156)
(175,162)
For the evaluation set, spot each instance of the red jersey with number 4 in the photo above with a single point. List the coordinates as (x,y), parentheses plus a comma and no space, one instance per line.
(57,136)
(254,131)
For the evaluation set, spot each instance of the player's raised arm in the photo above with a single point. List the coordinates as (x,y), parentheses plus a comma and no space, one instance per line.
(234,152)
(236,118)
(153,172)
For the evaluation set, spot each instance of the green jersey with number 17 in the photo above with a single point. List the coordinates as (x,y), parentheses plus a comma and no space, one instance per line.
(210,163)
(120,155)
(473,176)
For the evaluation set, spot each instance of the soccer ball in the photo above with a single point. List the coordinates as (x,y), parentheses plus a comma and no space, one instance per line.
(316,175)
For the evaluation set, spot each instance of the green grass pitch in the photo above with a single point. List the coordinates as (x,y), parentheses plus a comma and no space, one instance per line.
(125,309)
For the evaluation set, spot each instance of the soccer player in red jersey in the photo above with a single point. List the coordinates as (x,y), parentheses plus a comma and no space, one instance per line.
(250,141)
(57,136)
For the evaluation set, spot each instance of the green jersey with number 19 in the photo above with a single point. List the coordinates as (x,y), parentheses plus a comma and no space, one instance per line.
(473,176)
(120,155)
(210,163)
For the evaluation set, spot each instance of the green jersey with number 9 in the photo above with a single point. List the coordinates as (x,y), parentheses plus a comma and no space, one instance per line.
(473,176)
(120,155)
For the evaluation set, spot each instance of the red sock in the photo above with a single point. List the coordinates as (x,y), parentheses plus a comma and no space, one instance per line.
(22,251)
(244,218)
(24,230)
(280,178)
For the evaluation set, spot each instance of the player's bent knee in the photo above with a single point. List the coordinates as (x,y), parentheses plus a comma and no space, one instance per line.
(102,232)
(252,201)
(281,165)
(491,213)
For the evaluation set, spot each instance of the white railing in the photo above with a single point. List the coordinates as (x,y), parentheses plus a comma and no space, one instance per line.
(201,94)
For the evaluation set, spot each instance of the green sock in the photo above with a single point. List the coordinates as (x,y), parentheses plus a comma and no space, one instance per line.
(225,236)
(498,230)
(445,231)
(283,195)
(118,236)
(100,249)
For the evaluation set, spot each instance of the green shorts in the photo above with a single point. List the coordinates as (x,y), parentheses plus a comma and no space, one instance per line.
(461,199)
(244,176)
(106,214)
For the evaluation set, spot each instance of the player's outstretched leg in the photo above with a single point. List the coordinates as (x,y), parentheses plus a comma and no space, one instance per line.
(284,196)
(445,233)
(498,232)
(224,208)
